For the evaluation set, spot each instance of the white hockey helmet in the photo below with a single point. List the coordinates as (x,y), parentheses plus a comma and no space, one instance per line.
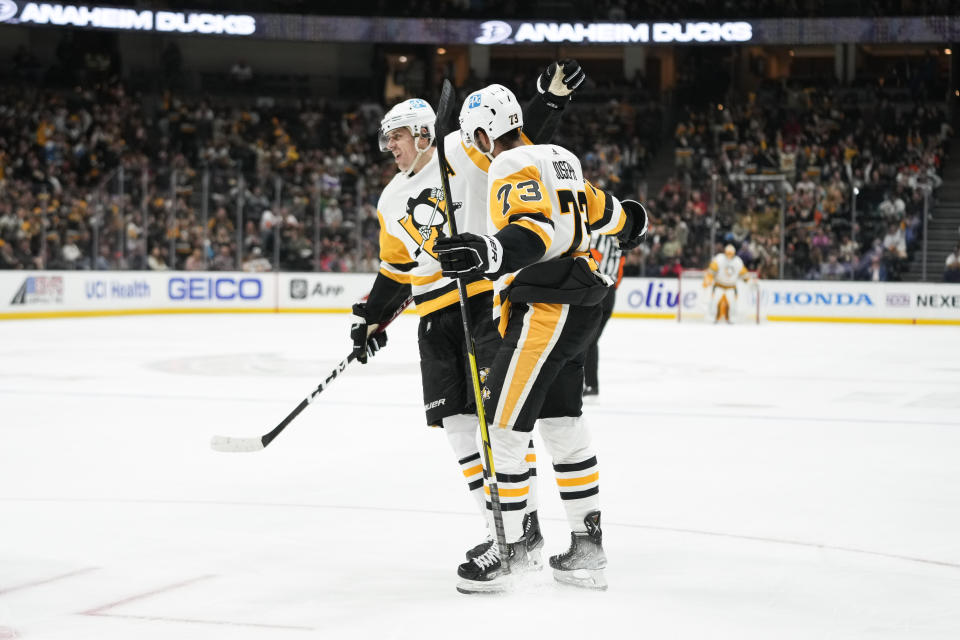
(494,110)
(414,114)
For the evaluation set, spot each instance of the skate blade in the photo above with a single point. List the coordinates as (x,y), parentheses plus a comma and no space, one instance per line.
(583,578)
(500,584)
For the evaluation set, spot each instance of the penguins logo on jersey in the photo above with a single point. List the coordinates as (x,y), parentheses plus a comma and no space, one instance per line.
(426,217)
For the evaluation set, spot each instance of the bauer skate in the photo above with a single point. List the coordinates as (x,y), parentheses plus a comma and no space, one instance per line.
(583,563)
(487,574)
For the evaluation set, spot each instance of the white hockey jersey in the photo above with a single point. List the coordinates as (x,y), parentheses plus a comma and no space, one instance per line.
(726,271)
(541,189)
(413,215)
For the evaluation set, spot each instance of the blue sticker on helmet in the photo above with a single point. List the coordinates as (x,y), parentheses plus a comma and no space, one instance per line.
(416,103)
(474,101)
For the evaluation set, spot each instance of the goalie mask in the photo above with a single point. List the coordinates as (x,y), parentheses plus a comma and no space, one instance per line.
(494,110)
(414,115)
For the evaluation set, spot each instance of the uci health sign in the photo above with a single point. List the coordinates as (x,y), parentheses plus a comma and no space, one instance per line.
(96,17)
(500,32)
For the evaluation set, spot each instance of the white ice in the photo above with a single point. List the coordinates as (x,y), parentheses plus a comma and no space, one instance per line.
(774,482)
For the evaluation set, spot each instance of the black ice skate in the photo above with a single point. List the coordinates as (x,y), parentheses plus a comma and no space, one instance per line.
(486,574)
(531,533)
(583,563)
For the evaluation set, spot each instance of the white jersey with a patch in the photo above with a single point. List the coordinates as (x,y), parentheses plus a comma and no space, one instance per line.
(541,189)
(412,214)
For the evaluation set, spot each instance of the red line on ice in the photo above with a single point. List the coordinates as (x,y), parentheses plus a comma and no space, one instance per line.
(141,596)
(37,583)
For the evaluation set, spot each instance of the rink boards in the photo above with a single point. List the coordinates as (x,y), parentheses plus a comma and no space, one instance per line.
(52,294)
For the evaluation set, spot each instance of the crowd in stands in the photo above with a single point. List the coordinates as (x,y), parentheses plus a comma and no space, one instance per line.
(849,169)
(96,178)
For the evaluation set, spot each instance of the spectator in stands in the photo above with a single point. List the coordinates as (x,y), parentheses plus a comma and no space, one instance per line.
(256,263)
(103,260)
(157,260)
(72,257)
(7,259)
(876,272)
(224,260)
(951,271)
(195,261)
(833,269)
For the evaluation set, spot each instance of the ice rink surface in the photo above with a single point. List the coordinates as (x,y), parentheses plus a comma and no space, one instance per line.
(781,481)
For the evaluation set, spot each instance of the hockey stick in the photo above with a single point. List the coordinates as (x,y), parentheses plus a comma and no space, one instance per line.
(243,445)
(444,111)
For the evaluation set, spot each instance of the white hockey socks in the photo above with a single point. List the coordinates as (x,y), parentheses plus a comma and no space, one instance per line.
(575,467)
(462,435)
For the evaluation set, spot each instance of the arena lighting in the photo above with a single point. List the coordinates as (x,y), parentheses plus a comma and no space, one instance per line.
(441,51)
(403,59)
(42,13)
(948,52)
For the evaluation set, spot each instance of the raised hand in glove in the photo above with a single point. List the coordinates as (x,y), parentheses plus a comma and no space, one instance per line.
(468,254)
(636,226)
(366,339)
(560,80)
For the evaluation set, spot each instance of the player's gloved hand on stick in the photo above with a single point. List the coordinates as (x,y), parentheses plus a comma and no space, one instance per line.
(560,80)
(636,226)
(366,339)
(467,253)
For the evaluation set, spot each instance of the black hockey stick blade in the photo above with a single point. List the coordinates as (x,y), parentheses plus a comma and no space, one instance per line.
(444,110)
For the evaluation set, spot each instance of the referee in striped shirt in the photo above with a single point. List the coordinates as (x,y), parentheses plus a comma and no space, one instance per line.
(608,255)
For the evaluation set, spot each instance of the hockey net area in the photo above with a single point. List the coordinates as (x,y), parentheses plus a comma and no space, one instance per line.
(697,303)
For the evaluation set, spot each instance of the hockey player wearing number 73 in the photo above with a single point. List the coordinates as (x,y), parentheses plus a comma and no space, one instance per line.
(546,296)
(413,216)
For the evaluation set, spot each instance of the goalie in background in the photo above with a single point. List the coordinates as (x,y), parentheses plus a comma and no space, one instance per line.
(723,273)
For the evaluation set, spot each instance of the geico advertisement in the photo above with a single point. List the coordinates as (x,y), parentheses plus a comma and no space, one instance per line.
(30,292)
(326,291)
(786,299)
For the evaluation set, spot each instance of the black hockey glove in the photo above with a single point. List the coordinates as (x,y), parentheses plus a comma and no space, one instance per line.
(366,339)
(635,227)
(559,81)
(468,254)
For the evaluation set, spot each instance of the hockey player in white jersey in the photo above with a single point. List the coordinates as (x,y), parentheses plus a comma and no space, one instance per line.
(547,294)
(725,270)
(413,215)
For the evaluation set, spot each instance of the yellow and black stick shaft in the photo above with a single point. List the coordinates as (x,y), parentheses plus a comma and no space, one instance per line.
(444,110)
